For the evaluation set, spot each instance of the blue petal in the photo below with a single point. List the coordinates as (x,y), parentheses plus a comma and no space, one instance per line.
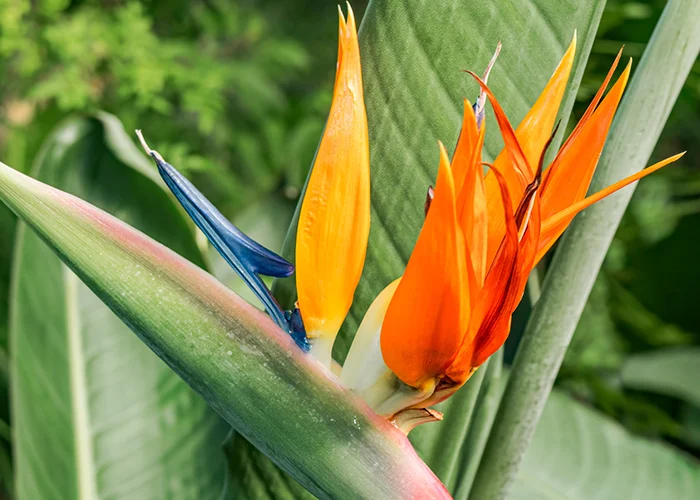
(297,330)
(247,257)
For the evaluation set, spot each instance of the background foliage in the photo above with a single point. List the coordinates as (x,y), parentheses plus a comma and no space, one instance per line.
(235,94)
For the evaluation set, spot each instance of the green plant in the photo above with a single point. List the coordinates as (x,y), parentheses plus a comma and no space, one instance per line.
(293,409)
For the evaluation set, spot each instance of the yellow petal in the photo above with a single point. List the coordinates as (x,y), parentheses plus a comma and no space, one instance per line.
(334,218)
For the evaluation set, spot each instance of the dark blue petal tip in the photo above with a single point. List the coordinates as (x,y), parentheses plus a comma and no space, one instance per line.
(297,330)
(247,257)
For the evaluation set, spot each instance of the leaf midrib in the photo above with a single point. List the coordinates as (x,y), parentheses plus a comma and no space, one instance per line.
(82,429)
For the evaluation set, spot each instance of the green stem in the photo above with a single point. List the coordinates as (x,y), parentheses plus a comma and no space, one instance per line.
(639,122)
(474,442)
(534,285)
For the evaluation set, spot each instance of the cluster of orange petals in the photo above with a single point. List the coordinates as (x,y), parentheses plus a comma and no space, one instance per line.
(483,234)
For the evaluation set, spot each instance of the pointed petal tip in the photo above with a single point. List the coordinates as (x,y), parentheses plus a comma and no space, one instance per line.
(444,165)
(342,24)
(348,25)
(351,14)
(571,50)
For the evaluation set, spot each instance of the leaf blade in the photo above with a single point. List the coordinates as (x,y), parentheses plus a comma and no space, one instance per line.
(109,418)
(230,353)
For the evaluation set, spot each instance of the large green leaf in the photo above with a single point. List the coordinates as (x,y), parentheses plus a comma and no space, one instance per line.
(95,413)
(253,475)
(674,372)
(578,454)
(7,231)
(278,397)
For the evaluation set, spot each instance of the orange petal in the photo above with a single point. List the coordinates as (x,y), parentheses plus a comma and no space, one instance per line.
(427,317)
(488,306)
(524,172)
(591,107)
(334,218)
(532,134)
(466,146)
(572,170)
(473,215)
(471,198)
(536,128)
(555,225)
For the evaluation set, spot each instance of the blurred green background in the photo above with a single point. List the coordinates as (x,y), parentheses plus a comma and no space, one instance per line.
(235,95)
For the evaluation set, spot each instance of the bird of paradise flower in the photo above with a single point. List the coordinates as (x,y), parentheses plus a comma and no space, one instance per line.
(429,330)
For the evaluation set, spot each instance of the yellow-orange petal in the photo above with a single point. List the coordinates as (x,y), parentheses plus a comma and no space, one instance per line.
(570,173)
(535,129)
(532,134)
(592,106)
(489,304)
(426,319)
(555,225)
(334,219)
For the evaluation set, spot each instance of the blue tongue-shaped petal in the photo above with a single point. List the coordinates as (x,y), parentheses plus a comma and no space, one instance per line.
(248,258)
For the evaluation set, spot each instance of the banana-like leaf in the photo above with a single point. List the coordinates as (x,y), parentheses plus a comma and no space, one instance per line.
(673,372)
(578,454)
(7,231)
(95,413)
(279,398)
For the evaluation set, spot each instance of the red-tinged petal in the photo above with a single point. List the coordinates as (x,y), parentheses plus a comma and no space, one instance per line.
(572,170)
(529,244)
(523,170)
(490,338)
(334,218)
(532,134)
(555,225)
(427,317)
(488,305)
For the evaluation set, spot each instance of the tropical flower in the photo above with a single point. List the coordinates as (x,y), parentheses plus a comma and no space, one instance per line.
(429,330)
(481,238)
